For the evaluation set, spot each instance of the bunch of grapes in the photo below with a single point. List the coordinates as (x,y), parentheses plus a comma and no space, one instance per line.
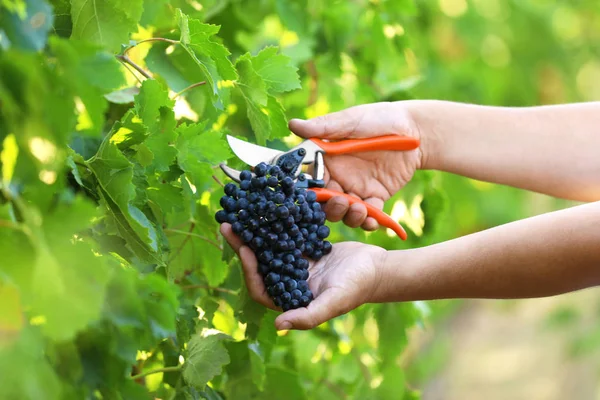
(283,225)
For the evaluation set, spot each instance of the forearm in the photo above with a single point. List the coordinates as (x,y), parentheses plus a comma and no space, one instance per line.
(541,256)
(550,149)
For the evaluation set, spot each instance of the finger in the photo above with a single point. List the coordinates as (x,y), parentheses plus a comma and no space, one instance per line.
(254,282)
(356,215)
(253,279)
(234,240)
(336,125)
(336,208)
(371,223)
(327,305)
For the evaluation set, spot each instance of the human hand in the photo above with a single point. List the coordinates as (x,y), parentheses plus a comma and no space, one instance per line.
(341,281)
(372,176)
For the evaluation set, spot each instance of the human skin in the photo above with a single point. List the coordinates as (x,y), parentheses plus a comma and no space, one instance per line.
(553,150)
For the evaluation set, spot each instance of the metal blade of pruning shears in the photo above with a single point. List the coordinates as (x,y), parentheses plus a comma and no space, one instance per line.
(252,154)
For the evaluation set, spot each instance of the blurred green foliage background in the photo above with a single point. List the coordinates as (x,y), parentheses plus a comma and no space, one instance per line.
(348,52)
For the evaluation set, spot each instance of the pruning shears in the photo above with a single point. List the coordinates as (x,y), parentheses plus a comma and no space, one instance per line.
(310,153)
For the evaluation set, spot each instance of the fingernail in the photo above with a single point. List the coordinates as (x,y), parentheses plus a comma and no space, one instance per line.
(284,326)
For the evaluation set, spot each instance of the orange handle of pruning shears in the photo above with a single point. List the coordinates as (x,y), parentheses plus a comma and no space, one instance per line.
(382,218)
(388,142)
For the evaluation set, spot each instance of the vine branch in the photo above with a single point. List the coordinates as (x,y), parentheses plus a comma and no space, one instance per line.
(334,388)
(191,234)
(156,371)
(314,82)
(218,181)
(187,238)
(126,60)
(158,39)
(216,289)
(193,85)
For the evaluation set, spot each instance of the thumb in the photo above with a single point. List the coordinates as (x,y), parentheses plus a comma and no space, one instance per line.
(327,305)
(337,125)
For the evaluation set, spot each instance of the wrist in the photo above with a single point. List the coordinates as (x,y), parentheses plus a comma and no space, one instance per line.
(398,278)
(425,115)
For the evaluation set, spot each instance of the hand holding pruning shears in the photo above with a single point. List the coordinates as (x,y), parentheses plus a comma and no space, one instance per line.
(552,150)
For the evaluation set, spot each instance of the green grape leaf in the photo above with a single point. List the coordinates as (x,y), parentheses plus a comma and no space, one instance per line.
(64,270)
(266,114)
(108,22)
(30,32)
(198,150)
(62,17)
(155,109)
(278,120)
(276,71)
(210,56)
(252,85)
(25,370)
(169,198)
(115,174)
(284,384)
(123,96)
(98,73)
(161,304)
(205,358)
(393,385)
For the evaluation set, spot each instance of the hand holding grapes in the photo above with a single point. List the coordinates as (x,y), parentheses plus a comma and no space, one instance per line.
(343,280)
(371,176)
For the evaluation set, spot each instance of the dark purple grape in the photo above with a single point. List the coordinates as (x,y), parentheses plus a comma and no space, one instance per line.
(261,169)
(257,242)
(326,247)
(302,286)
(237,228)
(286,297)
(294,303)
(247,236)
(278,288)
(265,256)
(291,285)
(245,175)
(288,269)
(304,301)
(276,265)
(245,185)
(221,216)
(230,189)
(263,269)
(272,278)
(232,218)
(302,263)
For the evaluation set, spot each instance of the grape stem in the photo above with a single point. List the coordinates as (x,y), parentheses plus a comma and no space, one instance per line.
(334,388)
(314,83)
(216,289)
(126,60)
(158,39)
(218,181)
(207,240)
(193,85)
(156,371)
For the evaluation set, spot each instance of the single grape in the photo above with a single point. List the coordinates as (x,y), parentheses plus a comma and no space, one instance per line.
(230,189)
(291,285)
(272,278)
(221,216)
(286,297)
(247,236)
(261,169)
